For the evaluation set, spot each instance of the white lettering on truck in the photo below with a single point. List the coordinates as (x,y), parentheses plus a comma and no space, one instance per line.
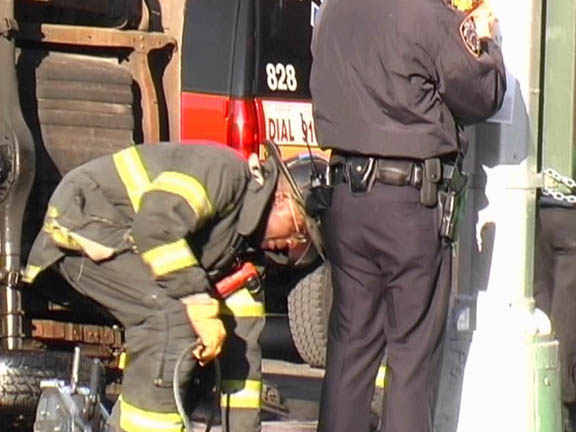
(281,77)
(289,122)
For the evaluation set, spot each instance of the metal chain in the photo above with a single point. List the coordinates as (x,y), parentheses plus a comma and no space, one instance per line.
(560,179)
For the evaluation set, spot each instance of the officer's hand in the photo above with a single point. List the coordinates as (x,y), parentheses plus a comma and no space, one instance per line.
(485,20)
(202,311)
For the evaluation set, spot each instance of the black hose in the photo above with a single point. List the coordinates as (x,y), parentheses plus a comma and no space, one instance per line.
(178,395)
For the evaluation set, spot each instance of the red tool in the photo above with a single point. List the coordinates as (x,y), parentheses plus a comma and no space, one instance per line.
(246,276)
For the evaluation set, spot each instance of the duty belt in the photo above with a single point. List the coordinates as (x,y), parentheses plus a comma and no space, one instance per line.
(397,172)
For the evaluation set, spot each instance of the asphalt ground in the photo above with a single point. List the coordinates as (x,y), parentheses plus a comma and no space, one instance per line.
(297,388)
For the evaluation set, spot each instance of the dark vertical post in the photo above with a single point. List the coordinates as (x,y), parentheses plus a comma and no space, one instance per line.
(16,177)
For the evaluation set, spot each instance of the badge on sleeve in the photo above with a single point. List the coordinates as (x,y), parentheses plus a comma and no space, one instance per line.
(470,36)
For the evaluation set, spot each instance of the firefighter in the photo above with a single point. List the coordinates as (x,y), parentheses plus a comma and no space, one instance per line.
(147,232)
(392,83)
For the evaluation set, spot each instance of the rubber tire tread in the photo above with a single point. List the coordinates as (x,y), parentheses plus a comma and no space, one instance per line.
(21,373)
(308,311)
(81,107)
(78,67)
(85,91)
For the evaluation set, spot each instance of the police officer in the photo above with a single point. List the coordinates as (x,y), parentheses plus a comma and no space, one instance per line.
(147,232)
(392,83)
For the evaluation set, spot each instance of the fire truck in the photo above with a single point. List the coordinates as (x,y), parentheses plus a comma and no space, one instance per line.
(83,78)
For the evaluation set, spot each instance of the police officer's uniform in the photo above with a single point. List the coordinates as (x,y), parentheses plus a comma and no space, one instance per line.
(392,80)
(169,213)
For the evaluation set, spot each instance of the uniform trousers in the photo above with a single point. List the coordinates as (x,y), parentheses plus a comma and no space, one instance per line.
(157,330)
(391,278)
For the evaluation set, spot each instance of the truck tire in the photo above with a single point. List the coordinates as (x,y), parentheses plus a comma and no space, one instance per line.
(21,373)
(308,310)
(79,106)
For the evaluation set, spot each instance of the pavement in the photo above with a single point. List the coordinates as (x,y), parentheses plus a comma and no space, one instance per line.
(298,386)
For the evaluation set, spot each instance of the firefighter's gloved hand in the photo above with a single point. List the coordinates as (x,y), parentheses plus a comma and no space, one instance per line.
(202,311)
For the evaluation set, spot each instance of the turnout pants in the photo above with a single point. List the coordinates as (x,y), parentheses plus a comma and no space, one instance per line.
(157,330)
(391,278)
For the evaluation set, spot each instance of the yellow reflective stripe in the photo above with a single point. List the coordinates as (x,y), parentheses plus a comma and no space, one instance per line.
(30,273)
(67,239)
(380,377)
(58,233)
(123,360)
(134,419)
(132,173)
(52,212)
(203,310)
(188,188)
(242,304)
(241,394)
(169,257)
(61,235)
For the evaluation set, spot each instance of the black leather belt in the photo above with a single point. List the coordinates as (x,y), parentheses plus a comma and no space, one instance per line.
(397,172)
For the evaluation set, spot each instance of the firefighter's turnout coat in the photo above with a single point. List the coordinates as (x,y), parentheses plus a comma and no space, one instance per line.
(140,229)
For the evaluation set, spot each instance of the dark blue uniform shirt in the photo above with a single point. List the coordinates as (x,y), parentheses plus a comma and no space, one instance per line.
(393,78)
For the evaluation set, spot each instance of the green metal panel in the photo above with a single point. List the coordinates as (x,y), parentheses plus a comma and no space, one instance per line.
(558,152)
(558,130)
(546,385)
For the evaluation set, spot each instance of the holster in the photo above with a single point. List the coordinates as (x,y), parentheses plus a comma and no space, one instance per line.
(450,199)
(447,207)
(360,173)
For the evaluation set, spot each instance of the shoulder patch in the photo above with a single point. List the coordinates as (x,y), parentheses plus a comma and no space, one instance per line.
(470,36)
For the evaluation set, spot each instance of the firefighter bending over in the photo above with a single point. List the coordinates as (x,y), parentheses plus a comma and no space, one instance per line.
(147,233)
